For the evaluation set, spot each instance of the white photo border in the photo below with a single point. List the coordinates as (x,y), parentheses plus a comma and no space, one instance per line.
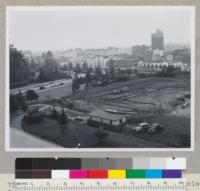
(57,8)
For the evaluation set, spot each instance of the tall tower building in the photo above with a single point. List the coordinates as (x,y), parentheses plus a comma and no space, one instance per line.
(157,43)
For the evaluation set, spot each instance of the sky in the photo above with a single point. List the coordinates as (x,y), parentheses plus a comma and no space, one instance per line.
(61,28)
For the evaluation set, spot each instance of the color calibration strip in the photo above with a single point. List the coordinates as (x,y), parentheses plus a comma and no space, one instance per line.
(105,168)
(97,174)
(99,163)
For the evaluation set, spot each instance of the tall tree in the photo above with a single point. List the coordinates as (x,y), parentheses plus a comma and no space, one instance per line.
(84,67)
(19,71)
(98,72)
(88,76)
(112,69)
(49,69)
(77,69)
(70,66)
(75,84)
(63,118)
(107,77)
(31,95)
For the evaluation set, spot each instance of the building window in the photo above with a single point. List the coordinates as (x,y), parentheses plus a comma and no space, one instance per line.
(116,122)
(106,121)
(97,119)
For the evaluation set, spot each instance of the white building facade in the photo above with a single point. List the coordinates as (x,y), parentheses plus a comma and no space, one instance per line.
(161,65)
(98,61)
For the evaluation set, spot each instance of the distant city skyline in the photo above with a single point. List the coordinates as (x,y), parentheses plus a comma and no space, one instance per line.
(64,28)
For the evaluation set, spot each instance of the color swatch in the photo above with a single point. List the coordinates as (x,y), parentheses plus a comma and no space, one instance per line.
(116,174)
(97,174)
(102,168)
(100,163)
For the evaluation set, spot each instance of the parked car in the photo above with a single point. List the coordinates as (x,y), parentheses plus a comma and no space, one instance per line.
(155,128)
(80,119)
(112,110)
(186,104)
(42,88)
(58,100)
(116,91)
(124,90)
(142,127)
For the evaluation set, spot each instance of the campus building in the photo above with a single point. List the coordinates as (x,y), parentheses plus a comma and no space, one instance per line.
(98,61)
(100,118)
(126,63)
(157,43)
(141,51)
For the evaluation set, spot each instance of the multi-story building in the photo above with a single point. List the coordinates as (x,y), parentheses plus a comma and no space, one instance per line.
(141,51)
(126,63)
(110,51)
(157,43)
(158,66)
(98,61)
(182,55)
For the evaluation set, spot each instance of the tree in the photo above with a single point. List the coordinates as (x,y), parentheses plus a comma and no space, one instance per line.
(19,70)
(98,72)
(63,118)
(84,67)
(65,67)
(77,69)
(33,66)
(20,97)
(129,71)
(106,77)
(17,101)
(70,66)
(88,77)
(49,69)
(22,102)
(31,95)
(42,75)
(112,69)
(24,106)
(54,114)
(75,84)
(14,103)
(169,71)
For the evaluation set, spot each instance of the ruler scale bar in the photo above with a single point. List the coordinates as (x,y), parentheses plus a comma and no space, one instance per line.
(80,185)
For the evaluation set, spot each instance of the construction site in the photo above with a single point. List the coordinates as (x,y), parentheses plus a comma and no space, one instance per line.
(163,101)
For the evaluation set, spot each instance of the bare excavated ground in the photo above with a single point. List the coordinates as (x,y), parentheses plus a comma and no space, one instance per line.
(152,100)
(148,94)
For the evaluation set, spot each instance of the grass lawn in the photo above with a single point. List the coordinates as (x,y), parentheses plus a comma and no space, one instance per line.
(76,133)
(176,131)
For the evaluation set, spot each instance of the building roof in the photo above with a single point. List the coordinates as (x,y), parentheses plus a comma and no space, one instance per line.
(105,115)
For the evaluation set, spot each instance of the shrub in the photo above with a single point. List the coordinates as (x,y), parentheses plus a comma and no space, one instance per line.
(63,118)
(180,99)
(54,114)
(33,118)
(187,95)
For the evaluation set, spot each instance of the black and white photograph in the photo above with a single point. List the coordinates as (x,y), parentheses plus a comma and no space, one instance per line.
(100,77)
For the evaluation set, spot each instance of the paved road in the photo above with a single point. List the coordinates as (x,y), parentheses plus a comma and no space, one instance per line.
(56,91)
(59,91)
(21,139)
(46,85)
